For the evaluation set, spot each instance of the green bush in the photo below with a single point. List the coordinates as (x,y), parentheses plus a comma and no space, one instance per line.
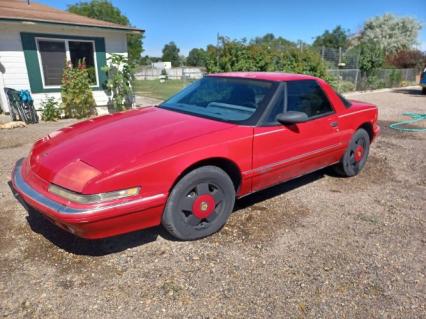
(234,55)
(164,73)
(371,58)
(50,109)
(374,83)
(77,97)
(344,86)
(120,77)
(395,78)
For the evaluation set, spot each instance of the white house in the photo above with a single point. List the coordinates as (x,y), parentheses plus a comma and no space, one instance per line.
(36,40)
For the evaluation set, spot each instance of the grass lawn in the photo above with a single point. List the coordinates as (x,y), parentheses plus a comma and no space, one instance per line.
(155,89)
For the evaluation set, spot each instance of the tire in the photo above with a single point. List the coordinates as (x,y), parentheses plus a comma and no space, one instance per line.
(424,90)
(199,204)
(355,157)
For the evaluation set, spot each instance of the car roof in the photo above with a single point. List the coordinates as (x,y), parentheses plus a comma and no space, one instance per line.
(269,76)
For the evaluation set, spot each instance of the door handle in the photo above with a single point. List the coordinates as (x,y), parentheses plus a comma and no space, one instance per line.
(334,124)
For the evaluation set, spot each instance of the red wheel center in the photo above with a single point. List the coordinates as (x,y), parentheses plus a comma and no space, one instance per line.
(359,151)
(203,206)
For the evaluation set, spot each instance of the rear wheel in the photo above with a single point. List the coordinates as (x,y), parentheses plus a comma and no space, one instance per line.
(199,204)
(355,156)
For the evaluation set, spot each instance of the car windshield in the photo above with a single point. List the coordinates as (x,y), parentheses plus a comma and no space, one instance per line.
(222,98)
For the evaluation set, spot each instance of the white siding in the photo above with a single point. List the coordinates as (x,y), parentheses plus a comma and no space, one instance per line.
(13,71)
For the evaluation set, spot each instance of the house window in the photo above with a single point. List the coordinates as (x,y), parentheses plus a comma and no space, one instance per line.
(54,52)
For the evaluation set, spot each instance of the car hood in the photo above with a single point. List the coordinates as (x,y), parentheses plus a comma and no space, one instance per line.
(102,144)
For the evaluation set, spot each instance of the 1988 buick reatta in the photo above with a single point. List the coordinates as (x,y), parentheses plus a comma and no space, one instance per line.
(183,163)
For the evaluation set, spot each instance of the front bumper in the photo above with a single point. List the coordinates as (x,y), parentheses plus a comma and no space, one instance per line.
(91,221)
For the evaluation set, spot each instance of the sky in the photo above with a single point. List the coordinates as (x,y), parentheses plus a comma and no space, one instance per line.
(196,23)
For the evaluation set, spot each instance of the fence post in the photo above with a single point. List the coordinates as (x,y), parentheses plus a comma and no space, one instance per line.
(322,53)
(356,79)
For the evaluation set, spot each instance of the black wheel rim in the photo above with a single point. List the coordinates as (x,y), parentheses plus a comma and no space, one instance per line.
(354,162)
(192,216)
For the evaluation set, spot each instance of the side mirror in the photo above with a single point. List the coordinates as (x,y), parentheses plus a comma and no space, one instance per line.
(292,117)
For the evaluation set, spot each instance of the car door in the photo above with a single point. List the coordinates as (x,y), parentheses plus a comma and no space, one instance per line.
(282,152)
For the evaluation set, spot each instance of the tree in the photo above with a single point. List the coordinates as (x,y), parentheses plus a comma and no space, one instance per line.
(120,77)
(371,57)
(337,38)
(407,59)
(105,11)
(171,54)
(271,41)
(240,55)
(197,57)
(391,33)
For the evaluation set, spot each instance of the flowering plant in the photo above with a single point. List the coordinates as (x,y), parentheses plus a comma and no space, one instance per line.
(77,97)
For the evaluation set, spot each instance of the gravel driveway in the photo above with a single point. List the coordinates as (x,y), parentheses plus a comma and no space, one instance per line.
(317,247)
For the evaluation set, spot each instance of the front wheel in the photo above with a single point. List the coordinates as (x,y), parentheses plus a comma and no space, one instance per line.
(355,155)
(199,204)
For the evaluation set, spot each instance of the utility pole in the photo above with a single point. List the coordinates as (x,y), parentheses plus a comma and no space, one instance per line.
(217,50)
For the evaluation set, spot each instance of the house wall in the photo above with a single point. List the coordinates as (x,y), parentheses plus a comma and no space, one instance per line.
(13,70)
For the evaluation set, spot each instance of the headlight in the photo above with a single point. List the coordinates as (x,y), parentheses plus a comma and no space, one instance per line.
(95,198)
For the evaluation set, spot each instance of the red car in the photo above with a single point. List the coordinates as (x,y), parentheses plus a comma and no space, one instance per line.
(183,163)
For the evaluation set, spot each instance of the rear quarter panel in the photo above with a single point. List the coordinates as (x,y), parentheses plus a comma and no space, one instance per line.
(353,117)
(359,114)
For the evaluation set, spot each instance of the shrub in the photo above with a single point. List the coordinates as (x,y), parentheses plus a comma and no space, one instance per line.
(374,82)
(119,85)
(50,109)
(345,86)
(407,59)
(240,55)
(77,97)
(164,74)
(371,58)
(395,78)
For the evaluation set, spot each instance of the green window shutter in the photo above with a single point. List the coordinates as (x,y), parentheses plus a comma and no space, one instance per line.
(101,61)
(31,61)
(33,67)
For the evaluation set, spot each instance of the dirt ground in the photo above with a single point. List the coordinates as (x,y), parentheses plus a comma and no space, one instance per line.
(317,247)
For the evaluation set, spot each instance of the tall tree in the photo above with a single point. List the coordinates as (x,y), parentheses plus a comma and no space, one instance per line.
(407,59)
(197,57)
(271,41)
(391,33)
(242,55)
(371,57)
(171,54)
(105,11)
(337,38)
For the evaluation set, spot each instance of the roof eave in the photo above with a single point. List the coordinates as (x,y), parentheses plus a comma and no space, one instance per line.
(124,29)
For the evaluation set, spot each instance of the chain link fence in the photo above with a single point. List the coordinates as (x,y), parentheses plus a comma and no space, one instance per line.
(340,58)
(354,80)
(343,65)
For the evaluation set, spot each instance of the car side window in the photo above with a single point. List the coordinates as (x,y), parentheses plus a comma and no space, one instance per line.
(308,97)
